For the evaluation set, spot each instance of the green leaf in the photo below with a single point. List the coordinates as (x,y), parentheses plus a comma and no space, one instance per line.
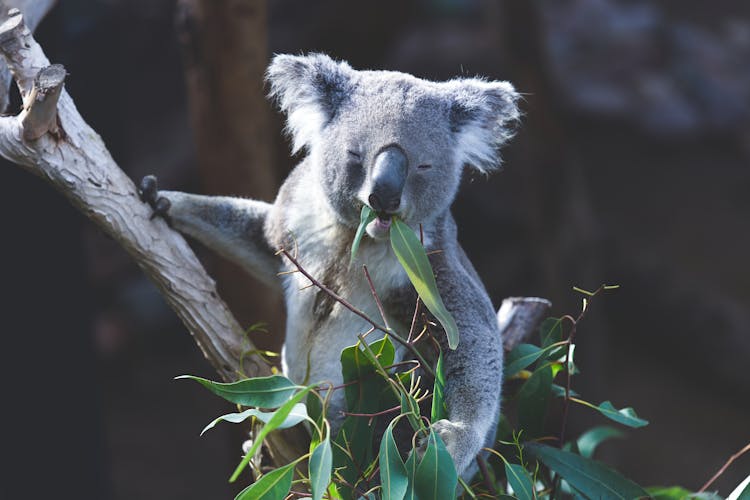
(742,491)
(319,467)
(559,391)
(261,392)
(523,355)
(356,366)
(435,477)
(277,419)
(413,259)
(411,472)
(532,401)
(520,481)
(393,476)
(679,493)
(593,479)
(365,217)
(592,438)
(551,331)
(366,392)
(410,408)
(439,411)
(297,415)
(626,416)
(272,486)
(520,357)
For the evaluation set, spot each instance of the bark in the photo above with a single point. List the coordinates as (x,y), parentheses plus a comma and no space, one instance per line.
(225,55)
(33,12)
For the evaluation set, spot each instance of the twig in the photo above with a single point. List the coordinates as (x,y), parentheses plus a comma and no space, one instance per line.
(571,340)
(375,296)
(413,321)
(425,366)
(724,467)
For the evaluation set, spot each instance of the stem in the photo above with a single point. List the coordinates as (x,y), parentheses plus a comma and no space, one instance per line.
(724,467)
(571,340)
(375,296)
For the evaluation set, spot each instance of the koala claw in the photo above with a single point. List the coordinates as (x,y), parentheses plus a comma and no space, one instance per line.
(462,443)
(149,193)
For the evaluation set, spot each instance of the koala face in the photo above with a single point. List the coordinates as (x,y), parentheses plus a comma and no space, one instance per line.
(389,140)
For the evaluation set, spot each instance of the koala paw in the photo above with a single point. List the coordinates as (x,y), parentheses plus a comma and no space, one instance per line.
(148,191)
(461,441)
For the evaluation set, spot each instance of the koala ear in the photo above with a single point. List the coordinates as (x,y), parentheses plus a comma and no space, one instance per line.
(483,115)
(309,89)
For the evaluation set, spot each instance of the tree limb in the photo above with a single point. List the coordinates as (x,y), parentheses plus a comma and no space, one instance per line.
(76,162)
(519,318)
(79,165)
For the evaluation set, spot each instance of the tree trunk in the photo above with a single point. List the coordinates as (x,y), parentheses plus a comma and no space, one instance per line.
(225,55)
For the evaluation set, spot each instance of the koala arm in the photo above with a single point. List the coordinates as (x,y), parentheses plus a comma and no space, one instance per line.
(473,371)
(233,227)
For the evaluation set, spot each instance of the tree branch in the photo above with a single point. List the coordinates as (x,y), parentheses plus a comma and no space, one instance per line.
(76,162)
(82,169)
(519,318)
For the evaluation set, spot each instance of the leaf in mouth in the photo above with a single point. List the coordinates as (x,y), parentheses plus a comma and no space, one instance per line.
(366,216)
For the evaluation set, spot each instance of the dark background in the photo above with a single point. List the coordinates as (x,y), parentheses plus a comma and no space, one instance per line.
(631,166)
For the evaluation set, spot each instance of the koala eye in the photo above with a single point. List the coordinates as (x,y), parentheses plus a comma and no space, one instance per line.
(424,167)
(354,163)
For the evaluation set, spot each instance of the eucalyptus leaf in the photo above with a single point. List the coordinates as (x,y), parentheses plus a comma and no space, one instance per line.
(319,468)
(593,479)
(272,486)
(435,477)
(591,439)
(411,472)
(413,259)
(366,216)
(559,391)
(366,392)
(679,493)
(261,392)
(742,491)
(519,480)
(532,401)
(626,416)
(438,411)
(297,415)
(551,331)
(277,419)
(522,356)
(393,476)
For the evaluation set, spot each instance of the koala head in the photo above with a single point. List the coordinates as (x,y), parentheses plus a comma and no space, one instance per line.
(387,139)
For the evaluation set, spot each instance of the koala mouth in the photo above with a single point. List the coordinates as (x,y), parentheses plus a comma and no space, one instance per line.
(383,221)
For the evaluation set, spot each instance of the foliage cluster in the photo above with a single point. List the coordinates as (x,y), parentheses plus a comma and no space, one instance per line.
(361,459)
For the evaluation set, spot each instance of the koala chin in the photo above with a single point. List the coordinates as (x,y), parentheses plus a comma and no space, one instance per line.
(400,145)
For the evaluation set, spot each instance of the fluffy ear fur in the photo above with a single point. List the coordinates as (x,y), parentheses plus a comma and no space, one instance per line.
(483,115)
(309,89)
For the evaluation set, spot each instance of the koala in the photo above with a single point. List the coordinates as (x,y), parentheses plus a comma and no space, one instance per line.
(400,145)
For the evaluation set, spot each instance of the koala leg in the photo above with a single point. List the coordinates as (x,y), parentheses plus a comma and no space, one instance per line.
(233,227)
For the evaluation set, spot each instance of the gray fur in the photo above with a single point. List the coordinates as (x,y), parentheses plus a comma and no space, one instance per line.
(344,118)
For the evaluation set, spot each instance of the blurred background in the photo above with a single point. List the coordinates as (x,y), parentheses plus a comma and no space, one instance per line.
(631,166)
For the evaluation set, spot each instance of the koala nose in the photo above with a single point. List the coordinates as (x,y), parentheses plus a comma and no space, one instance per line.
(388,179)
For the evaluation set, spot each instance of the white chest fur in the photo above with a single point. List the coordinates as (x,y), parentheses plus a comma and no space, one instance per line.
(316,336)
